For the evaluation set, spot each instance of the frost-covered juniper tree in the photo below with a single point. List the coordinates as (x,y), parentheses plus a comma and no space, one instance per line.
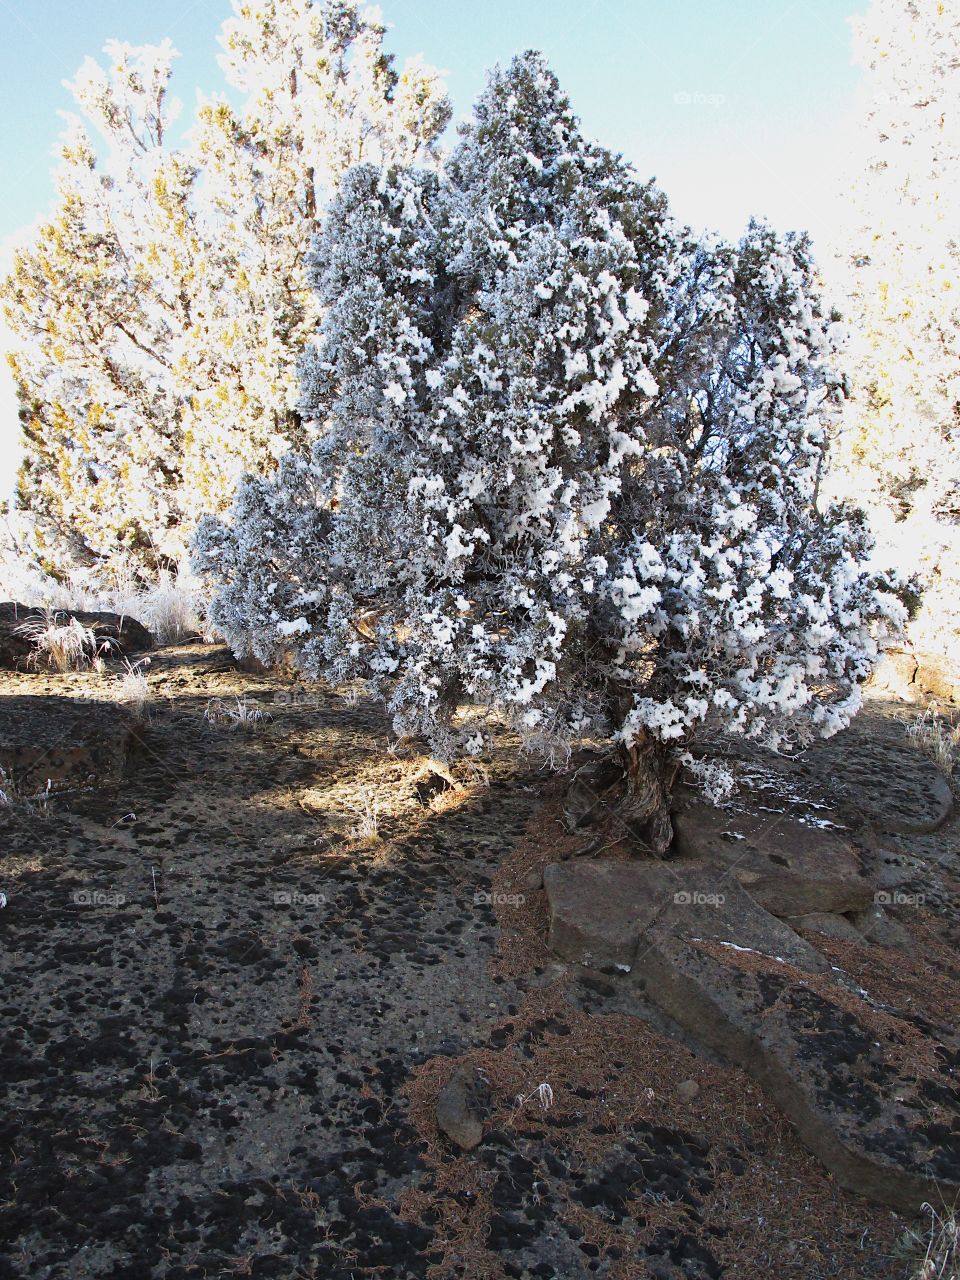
(567,468)
(159,316)
(900,447)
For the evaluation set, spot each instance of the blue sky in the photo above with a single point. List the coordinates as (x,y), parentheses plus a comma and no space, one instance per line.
(737,108)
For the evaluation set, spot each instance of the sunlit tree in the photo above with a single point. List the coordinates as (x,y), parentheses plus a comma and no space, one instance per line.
(159,315)
(899,451)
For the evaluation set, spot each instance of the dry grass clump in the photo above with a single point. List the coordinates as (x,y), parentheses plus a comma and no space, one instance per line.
(133,689)
(168,608)
(937,1249)
(61,646)
(366,812)
(14,799)
(241,713)
(934,735)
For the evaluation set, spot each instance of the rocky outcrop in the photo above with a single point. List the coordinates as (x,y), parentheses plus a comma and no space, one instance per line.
(915,677)
(938,678)
(788,866)
(895,675)
(72,744)
(121,635)
(872,1091)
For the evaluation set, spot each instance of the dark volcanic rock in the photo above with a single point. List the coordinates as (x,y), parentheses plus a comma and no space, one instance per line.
(790,868)
(602,912)
(121,635)
(73,744)
(856,1079)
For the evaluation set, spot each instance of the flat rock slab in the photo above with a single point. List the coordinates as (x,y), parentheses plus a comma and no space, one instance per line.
(72,744)
(873,1092)
(788,867)
(603,912)
(893,785)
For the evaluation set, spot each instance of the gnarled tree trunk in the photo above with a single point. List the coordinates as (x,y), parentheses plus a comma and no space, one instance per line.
(624,796)
(645,808)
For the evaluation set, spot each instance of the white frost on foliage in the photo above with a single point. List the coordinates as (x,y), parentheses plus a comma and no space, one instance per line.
(598,513)
(160,315)
(896,270)
(293,627)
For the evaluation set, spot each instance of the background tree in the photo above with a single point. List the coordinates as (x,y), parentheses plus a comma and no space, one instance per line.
(900,447)
(99,307)
(567,465)
(160,314)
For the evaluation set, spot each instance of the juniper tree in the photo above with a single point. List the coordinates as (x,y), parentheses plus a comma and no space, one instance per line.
(159,315)
(899,450)
(567,465)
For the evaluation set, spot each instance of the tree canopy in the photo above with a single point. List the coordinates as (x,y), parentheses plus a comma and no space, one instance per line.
(159,315)
(900,445)
(567,463)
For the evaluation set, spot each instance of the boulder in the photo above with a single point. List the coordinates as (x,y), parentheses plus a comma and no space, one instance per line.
(73,744)
(788,866)
(895,675)
(872,1091)
(123,636)
(938,678)
(461,1107)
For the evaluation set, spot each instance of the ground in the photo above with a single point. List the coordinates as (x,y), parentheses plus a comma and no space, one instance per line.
(229,1006)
